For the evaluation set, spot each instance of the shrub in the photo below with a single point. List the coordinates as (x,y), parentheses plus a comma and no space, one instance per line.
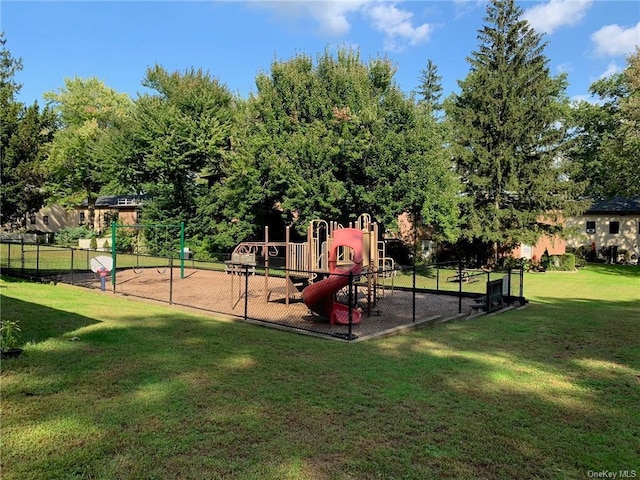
(68,237)
(562,263)
(93,245)
(583,253)
(523,263)
(125,240)
(106,246)
(545,259)
(9,335)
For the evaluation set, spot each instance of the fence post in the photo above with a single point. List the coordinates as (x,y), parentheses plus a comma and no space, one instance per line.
(37,259)
(72,249)
(509,271)
(170,280)
(522,283)
(350,301)
(459,286)
(22,255)
(8,256)
(413,294)
(437,277)
(246,291)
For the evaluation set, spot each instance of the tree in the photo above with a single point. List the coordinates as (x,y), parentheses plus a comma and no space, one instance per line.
(329,139)
(606,140)
(87,111)
(172,144)
(430,89)
(24,135)
(509,124)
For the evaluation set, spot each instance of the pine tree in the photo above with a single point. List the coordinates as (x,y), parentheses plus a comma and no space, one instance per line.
(509,130)
(430,88)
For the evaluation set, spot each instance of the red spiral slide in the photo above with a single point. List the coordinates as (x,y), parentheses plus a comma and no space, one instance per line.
(319,296)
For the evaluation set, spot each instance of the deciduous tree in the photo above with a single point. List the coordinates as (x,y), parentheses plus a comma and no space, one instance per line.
(172,144)
(606,141)
(332,139)
(87,111)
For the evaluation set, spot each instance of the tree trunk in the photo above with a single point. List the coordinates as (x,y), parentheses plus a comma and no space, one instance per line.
(91,207)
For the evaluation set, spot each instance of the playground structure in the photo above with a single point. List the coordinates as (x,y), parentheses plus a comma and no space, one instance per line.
(317,269)
(418,297)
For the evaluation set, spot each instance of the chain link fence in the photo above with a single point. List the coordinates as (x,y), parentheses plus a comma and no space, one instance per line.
(371,303)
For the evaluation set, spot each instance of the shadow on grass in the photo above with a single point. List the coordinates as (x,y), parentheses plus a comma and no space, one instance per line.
(39,322)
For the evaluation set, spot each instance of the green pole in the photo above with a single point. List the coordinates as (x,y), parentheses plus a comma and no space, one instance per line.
(181,249)
(113,255)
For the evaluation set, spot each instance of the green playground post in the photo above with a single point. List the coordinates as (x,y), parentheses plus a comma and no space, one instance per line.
(113,255)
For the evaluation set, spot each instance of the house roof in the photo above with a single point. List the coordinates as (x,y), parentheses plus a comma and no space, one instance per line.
(615,205)
(117,201)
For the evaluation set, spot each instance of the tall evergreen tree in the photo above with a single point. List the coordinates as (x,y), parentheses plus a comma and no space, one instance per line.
(509,124)
(430,88)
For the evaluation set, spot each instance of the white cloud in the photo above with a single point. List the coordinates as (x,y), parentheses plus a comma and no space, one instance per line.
(614,40)
(335,17)
(611,69)
(332,16)
(565,67)
(396,25)
(550,16)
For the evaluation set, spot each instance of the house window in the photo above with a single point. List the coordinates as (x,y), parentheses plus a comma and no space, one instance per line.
(591,226)
(45,219)
(32,219)
(614,228)
(82,218)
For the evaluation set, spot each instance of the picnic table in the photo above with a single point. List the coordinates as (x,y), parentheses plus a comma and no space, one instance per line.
(465,276)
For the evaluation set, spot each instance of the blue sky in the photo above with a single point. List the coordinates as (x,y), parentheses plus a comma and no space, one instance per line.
(235,40)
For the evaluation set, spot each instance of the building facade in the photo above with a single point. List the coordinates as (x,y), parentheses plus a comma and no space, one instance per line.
(124,209)
(613,223)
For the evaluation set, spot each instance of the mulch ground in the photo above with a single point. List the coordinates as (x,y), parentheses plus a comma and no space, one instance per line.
(266,300)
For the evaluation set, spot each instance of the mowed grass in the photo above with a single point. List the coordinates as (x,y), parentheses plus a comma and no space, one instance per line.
(112,388)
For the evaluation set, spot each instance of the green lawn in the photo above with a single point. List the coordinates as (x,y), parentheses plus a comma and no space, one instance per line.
(49,260)
(147,391)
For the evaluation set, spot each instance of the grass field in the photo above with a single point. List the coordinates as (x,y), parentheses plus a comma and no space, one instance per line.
(110,388)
